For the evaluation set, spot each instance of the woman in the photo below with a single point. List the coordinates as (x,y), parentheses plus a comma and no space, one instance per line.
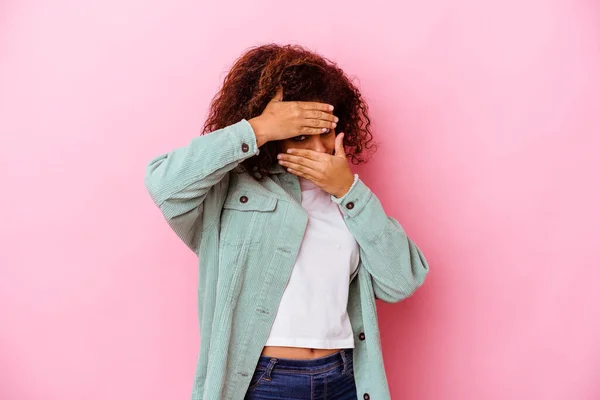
(294,249)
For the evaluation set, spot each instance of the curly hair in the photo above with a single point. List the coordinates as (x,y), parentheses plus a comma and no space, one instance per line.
(304,76)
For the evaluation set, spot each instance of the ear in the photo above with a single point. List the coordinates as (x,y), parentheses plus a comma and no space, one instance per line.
(339,145)
(279,95)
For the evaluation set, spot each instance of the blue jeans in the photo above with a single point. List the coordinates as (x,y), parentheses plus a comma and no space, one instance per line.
(330,377)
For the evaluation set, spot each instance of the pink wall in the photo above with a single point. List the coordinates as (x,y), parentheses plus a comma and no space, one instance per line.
(488,115)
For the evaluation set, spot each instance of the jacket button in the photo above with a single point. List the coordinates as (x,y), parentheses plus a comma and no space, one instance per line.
(366,396)
(350,206)
(361,336)
(243,199)
(245,147)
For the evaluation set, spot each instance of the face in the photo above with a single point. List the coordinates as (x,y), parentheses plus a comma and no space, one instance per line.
(324,143)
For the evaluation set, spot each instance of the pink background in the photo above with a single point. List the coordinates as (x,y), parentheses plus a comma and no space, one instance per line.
(488,118)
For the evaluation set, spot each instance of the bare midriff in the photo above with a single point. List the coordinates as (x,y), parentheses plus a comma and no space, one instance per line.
(296,352)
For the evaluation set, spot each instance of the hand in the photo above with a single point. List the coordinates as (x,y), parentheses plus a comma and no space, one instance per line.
(286,119)
(330,172)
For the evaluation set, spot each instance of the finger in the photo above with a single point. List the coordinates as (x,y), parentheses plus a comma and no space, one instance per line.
(298,173)
(311,105)
(302,171)
(339,145)
(279,95)
(305,130)
(319,115)
(319,123)
(302,175)
(310,154)
(288,159)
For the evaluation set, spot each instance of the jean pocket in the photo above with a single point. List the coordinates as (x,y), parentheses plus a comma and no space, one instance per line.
(257,379)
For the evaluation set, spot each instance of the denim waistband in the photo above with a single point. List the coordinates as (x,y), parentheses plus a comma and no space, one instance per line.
(342,357)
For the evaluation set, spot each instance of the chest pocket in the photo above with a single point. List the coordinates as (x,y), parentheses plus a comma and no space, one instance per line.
(245,217)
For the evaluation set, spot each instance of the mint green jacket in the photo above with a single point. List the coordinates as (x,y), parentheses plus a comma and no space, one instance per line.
(247,235)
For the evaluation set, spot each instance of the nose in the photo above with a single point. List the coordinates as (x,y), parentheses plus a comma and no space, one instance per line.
(318,144)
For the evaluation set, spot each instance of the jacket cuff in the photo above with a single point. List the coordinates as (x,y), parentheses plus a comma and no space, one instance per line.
(243,139)
(355,200)
(362,210)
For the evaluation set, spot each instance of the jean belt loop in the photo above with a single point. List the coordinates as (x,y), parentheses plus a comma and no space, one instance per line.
(270,367)
(344,360)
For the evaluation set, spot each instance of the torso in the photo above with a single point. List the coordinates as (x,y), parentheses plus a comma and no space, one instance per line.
(296,352)
(319,206)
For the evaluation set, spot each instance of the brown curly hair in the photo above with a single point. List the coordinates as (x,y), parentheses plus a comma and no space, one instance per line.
(304,76)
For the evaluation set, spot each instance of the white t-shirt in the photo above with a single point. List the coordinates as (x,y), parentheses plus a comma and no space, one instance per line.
(313,310)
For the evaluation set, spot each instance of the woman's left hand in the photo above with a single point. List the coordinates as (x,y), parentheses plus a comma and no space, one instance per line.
(330,172)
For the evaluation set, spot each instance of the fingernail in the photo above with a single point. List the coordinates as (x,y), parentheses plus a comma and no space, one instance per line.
(330,108)
(334,125)
(279,156)
(336,119)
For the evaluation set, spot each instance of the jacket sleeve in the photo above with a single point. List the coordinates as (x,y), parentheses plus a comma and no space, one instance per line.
(395,263)
(183,181)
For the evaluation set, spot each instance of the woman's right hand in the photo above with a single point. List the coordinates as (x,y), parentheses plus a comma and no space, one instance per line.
(285,119)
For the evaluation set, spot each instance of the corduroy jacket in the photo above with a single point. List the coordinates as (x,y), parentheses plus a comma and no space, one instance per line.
(247,234)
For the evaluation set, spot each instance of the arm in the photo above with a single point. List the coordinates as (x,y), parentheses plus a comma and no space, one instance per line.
(395,263)
(184,180)
(180,182)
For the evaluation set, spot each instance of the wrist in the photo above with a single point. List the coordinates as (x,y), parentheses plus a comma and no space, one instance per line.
(345,188)
(259,132)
